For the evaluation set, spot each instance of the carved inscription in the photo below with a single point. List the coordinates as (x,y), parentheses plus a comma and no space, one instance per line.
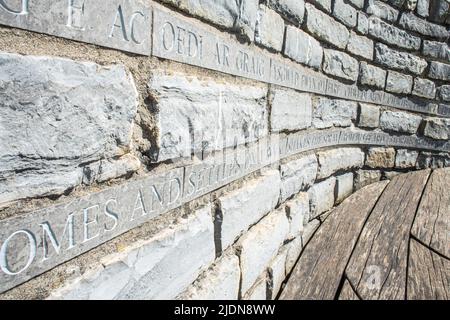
(123,25)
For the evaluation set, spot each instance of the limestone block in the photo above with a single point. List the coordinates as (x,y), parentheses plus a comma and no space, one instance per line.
(321,197)
(294,248)
(399,83)
(292,10)
(340,64)
(258,291)
(371,76)
(400,122)
(269,29)
(424,88)
(369,116)
(444,92)
(297,175)
(409,21)
(344,186)
(277,273)
(331,161)
(392,35)
(360,46)
(323,4)
(436,49)
(303,48)
(363,23)
(382,10)
(437,128)
(406,158)
(333,112)
(365,177)
(108,169)
(380,157)
(399,60)
(439,71)
(297,211)
(345,13)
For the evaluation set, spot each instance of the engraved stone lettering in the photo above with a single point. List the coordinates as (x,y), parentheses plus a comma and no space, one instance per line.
(48,233)
(23,9)
(4,263)
(87,222)
(76,14)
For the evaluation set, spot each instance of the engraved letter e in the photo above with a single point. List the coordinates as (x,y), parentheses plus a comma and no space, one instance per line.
(23,11)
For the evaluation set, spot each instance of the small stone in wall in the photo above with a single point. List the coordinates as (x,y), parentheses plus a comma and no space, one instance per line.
(365,177)
(444,92)
(382,10)
(360,46)
(297,175)
(400,122)
(344,186)
(333,112)
(439,71)
(409,21)
(369,116)
(436,49)
(333,160)
(423,8)
(269,29)
(371,75)
(345,13)
(399,60)
(424,88)
(290,110)
(321,197)
(389,175)
(432,160)
(297,211)
(436,128)
(406,158)
(381,158)
(357,3)
(363,23)
(277,273)
(399,83)
(340,65)
(323,4)
(294,248)
(303,48)
(292,10)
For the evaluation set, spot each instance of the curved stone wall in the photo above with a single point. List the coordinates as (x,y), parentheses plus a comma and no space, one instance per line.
(189,149)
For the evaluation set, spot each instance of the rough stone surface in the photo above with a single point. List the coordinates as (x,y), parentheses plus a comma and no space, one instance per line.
(406,158)
(380,158)
(297,211)
(365,177)
(363,23)
(108,169)
(399,60)
(290,110)
(399,83)
(238,16)
(345,13)
(439,11)
(444,92)
(244,207)
(357,3)
(269,29)
(369,116)
(382,10)
(332,112)
(326,28)
(219,282)
(56,116)
(294,248)
(303,48)
(292,10)
(423,8)
(340,65)
(396,3)
(439,71)
(323,4)
(400,122)
(392,35)
(277,273)
(371,76)
(258,291)
(436,49)
(436,128)
(344,186)
(331,161)
(199,115)
(360,46)
(411,22)
(424,88)
(321,197)
(158,268)
(260,244)
(297,175)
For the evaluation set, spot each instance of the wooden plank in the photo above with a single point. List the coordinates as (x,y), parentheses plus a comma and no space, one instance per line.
(428,274)
(377,267)
(347,292)
(432,223)
(320,268)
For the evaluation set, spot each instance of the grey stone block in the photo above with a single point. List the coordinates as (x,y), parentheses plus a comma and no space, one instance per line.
(332,112)
(344,186)
(321,197)
(424,88)
(365,177)
(297,175)
(340,64)
(437,128)
(369,116)
(345,13)
(439,71)
(400,122)
(371,75)
(292,10)
(406,158)
(297,211)
(360,46)
(392,35)
(399,60)
(409,21)
(334,160)
(444,92)
(423,8)
(380,157)
(269,29)
(303,48)
(436,49)
(363,23)
(382,10)
(399,83)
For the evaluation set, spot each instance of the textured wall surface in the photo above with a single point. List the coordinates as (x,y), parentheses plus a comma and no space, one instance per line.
(190,149)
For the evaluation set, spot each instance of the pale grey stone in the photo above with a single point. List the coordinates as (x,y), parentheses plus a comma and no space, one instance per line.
(323,4)
(437,128)
(219,282)
(277,273)
(400,122)
(424,88)
(116,24)
(331,161)
(439,71)
(432,160)
(58,116)
(105,170)
(358,3)
(344,186)
(411,22)
(294,249)
(444,92)
(321,197)
(399,83)
(392,35)
(158,268)
(341,65)
(310,229)
(197,115)
(436,49)
(332,112)
(269,29)
(369,116)
(260,244)
(290,110)
(380,157)
(399,60)
(363,23)
(292,10)
(297,211)
(382,10)
(366,177)
(297,175)
(423,8)
(303,48)
(360,46)
(259,289)
(439,11)
(371,75)
(406,158)
(326,28)
(238,16)
(345,13)
(245,206)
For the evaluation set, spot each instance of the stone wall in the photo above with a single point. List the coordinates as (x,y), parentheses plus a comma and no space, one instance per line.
(190,149)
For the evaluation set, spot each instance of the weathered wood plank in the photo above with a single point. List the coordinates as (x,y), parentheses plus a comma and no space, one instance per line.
(320,268)
(377,267)
(432,223)
(428,274)
(347,292)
